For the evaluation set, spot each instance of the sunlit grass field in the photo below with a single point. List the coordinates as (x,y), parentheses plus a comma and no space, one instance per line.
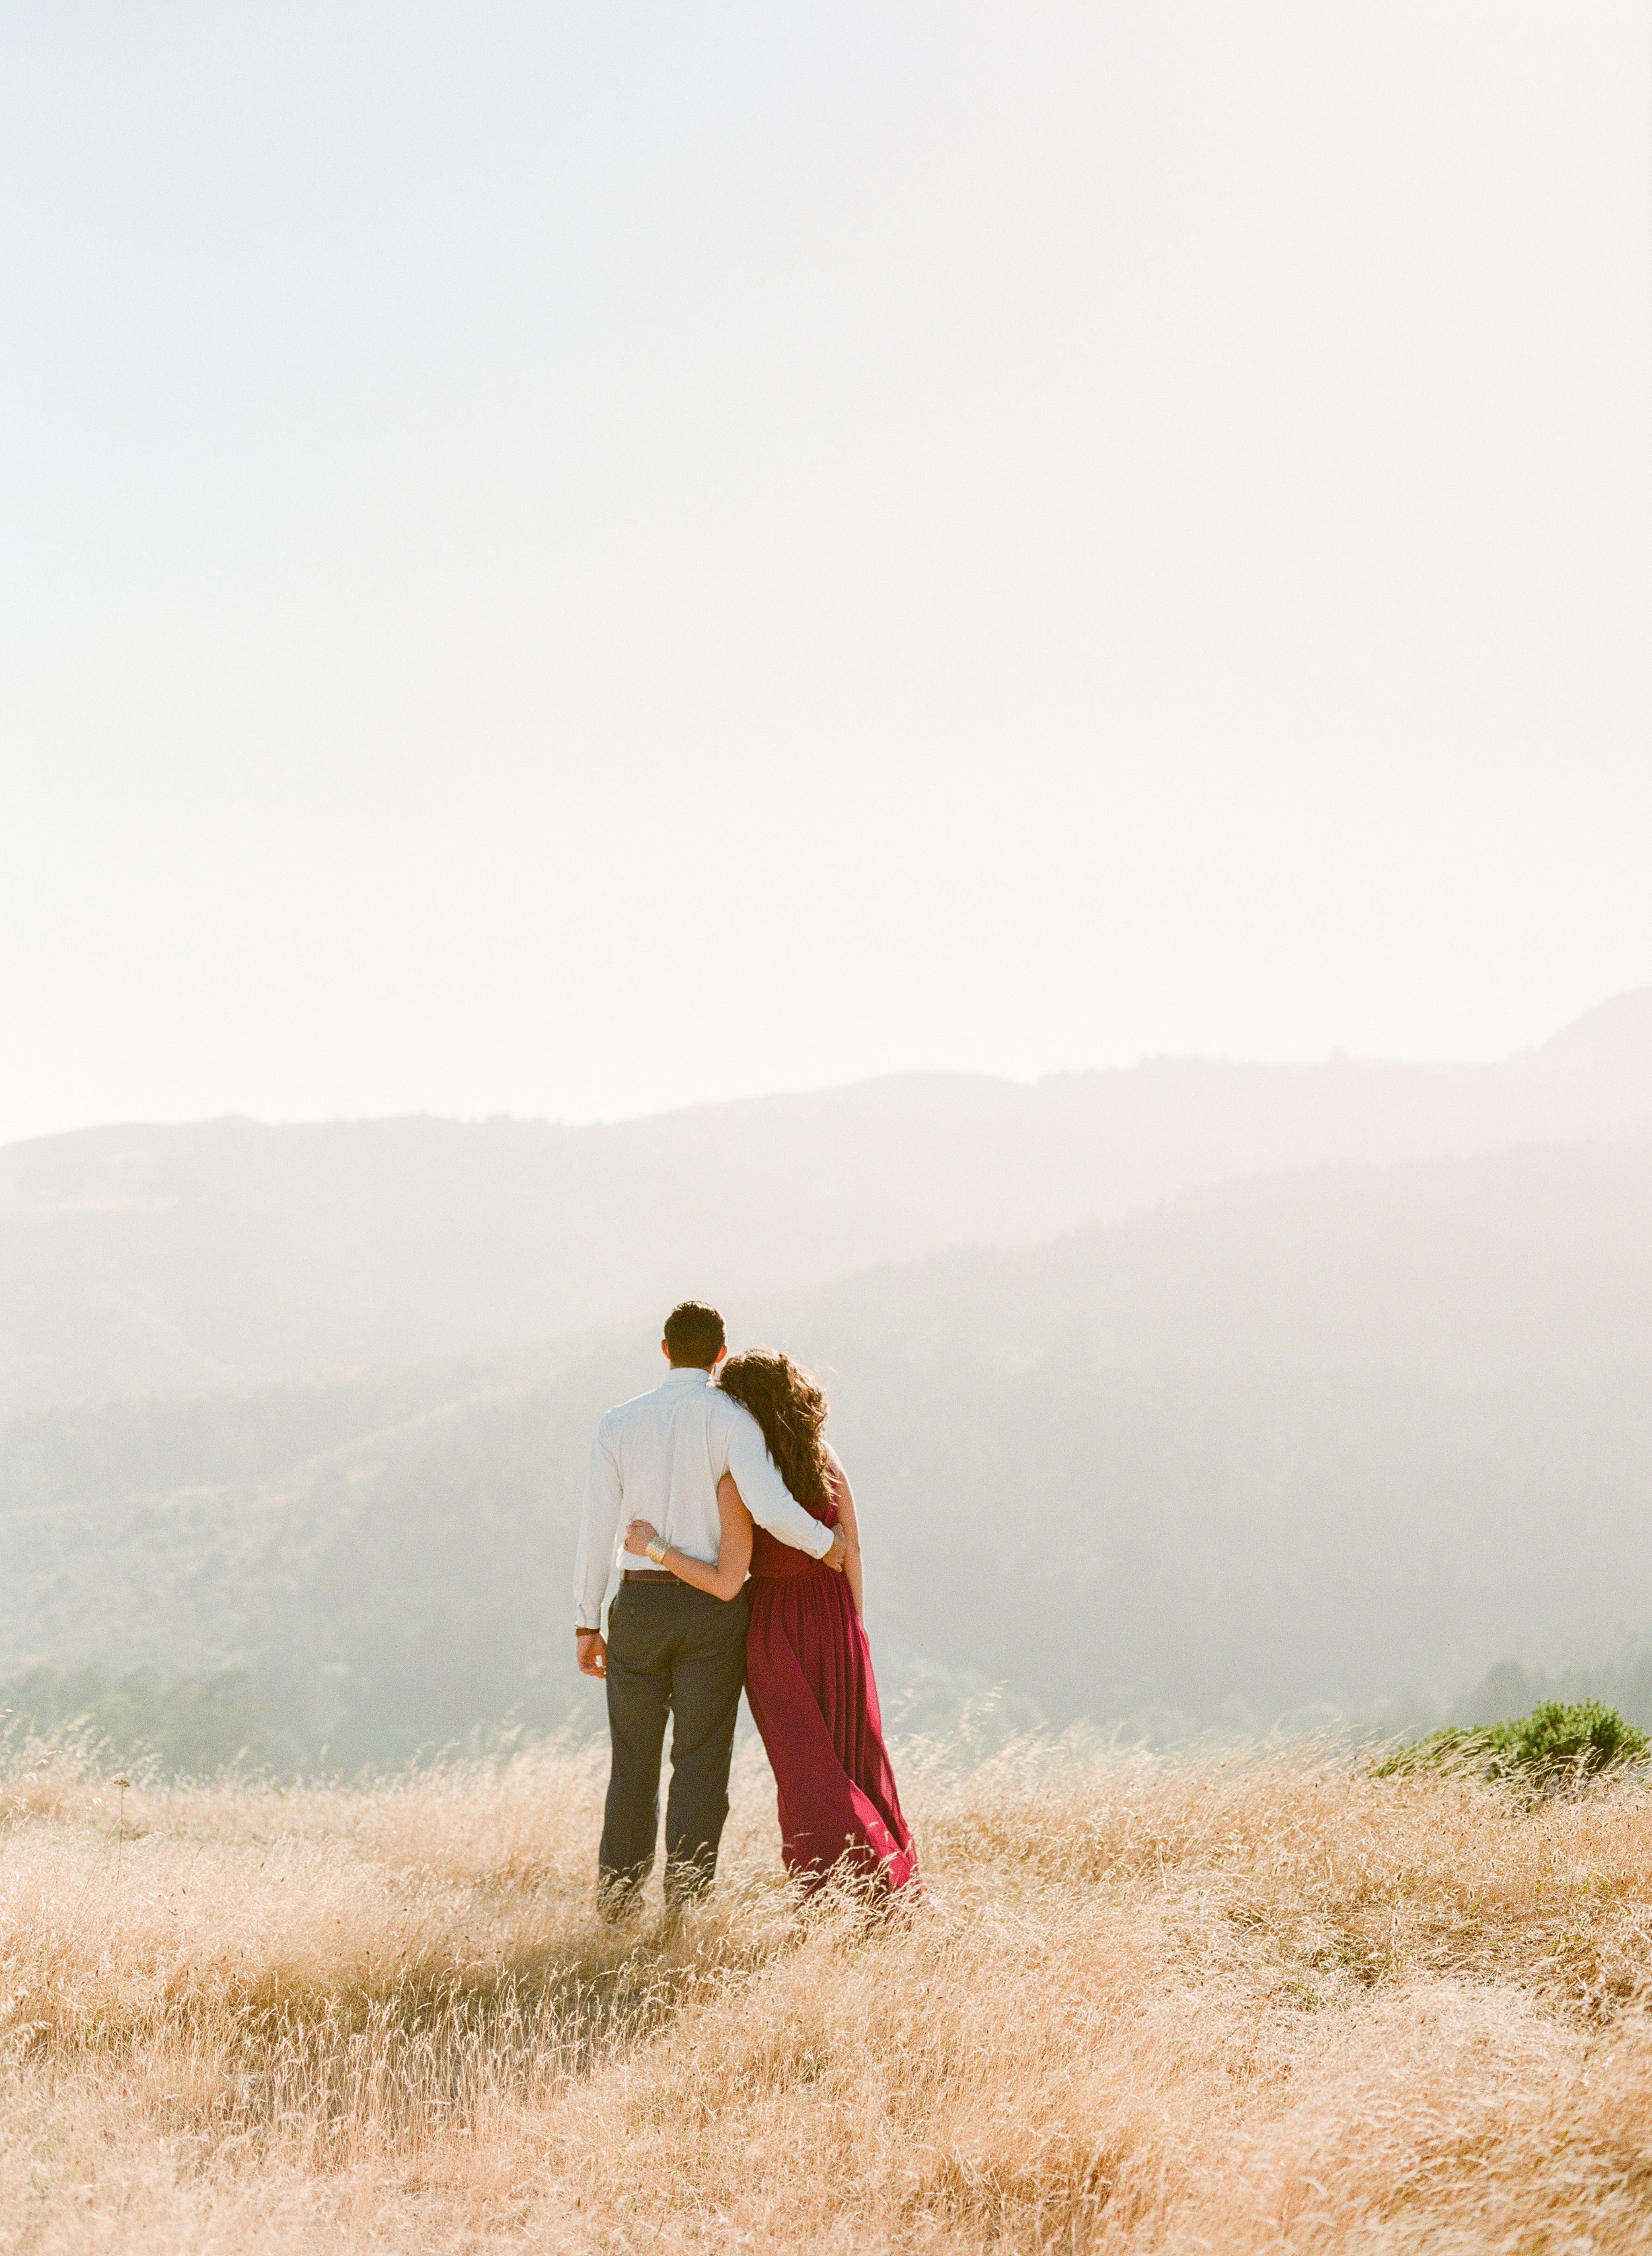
(1269,2004)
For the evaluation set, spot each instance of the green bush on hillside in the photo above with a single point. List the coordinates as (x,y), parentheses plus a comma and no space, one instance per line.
(1560,1742)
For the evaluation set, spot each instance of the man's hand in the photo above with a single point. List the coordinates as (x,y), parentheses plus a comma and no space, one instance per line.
(590,1650)
(839,1552)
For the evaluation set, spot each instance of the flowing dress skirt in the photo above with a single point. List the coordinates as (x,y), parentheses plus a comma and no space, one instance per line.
(808,1678)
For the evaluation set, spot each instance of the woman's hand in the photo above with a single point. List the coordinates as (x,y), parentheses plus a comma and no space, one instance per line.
(639,1535)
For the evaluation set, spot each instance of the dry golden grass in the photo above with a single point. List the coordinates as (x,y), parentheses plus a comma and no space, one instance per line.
(1167,2005)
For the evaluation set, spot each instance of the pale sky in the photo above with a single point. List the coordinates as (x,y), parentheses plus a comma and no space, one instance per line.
(568,560)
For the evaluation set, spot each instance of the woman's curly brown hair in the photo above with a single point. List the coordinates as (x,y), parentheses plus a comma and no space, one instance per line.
(791,1410)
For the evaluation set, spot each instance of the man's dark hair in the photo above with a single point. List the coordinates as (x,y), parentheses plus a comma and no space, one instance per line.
(694,1334)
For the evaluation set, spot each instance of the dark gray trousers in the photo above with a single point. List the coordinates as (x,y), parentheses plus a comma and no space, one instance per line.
(672,1651)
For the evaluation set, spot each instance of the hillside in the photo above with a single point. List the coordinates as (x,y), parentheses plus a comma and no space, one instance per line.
(1349,1437)
(1270,2010)
(143,1259)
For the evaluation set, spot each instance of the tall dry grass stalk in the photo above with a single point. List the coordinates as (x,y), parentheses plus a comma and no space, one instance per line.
(1167,2005)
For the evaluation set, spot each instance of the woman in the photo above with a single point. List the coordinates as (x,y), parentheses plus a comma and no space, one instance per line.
(807,1670)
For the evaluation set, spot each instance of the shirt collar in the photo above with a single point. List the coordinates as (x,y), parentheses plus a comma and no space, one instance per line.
(687,1375)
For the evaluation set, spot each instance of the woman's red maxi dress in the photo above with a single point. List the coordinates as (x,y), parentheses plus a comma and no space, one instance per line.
(809,1679)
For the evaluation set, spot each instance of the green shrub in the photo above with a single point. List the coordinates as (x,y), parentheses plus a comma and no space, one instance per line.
(1561,1743)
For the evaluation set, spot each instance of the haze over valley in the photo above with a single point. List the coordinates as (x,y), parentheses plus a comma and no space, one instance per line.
(141,1258)
(1193,1397)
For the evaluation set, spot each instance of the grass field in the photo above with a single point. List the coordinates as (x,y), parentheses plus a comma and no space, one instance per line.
(1273,2005)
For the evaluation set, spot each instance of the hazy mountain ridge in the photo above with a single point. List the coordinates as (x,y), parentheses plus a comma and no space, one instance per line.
(1338,1436)
(139,1258)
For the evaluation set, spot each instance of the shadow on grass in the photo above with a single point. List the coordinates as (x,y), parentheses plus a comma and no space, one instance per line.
(338,2072)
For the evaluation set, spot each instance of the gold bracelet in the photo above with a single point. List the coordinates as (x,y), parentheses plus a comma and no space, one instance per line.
(657,1551)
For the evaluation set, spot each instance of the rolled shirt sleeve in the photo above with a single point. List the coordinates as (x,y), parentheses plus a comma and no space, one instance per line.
(598,1532)
(766,1495)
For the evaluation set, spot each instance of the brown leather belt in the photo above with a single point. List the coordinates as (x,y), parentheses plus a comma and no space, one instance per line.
(646,1574)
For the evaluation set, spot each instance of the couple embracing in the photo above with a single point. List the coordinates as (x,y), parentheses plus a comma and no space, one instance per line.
(734,1527)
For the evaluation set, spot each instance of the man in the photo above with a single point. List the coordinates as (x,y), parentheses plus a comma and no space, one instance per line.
(671,1649)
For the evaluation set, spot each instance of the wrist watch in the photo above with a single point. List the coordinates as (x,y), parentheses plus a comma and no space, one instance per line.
(580,1630)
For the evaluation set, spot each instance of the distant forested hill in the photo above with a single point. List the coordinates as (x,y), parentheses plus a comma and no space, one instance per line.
(133,1259)
(1339,1436)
